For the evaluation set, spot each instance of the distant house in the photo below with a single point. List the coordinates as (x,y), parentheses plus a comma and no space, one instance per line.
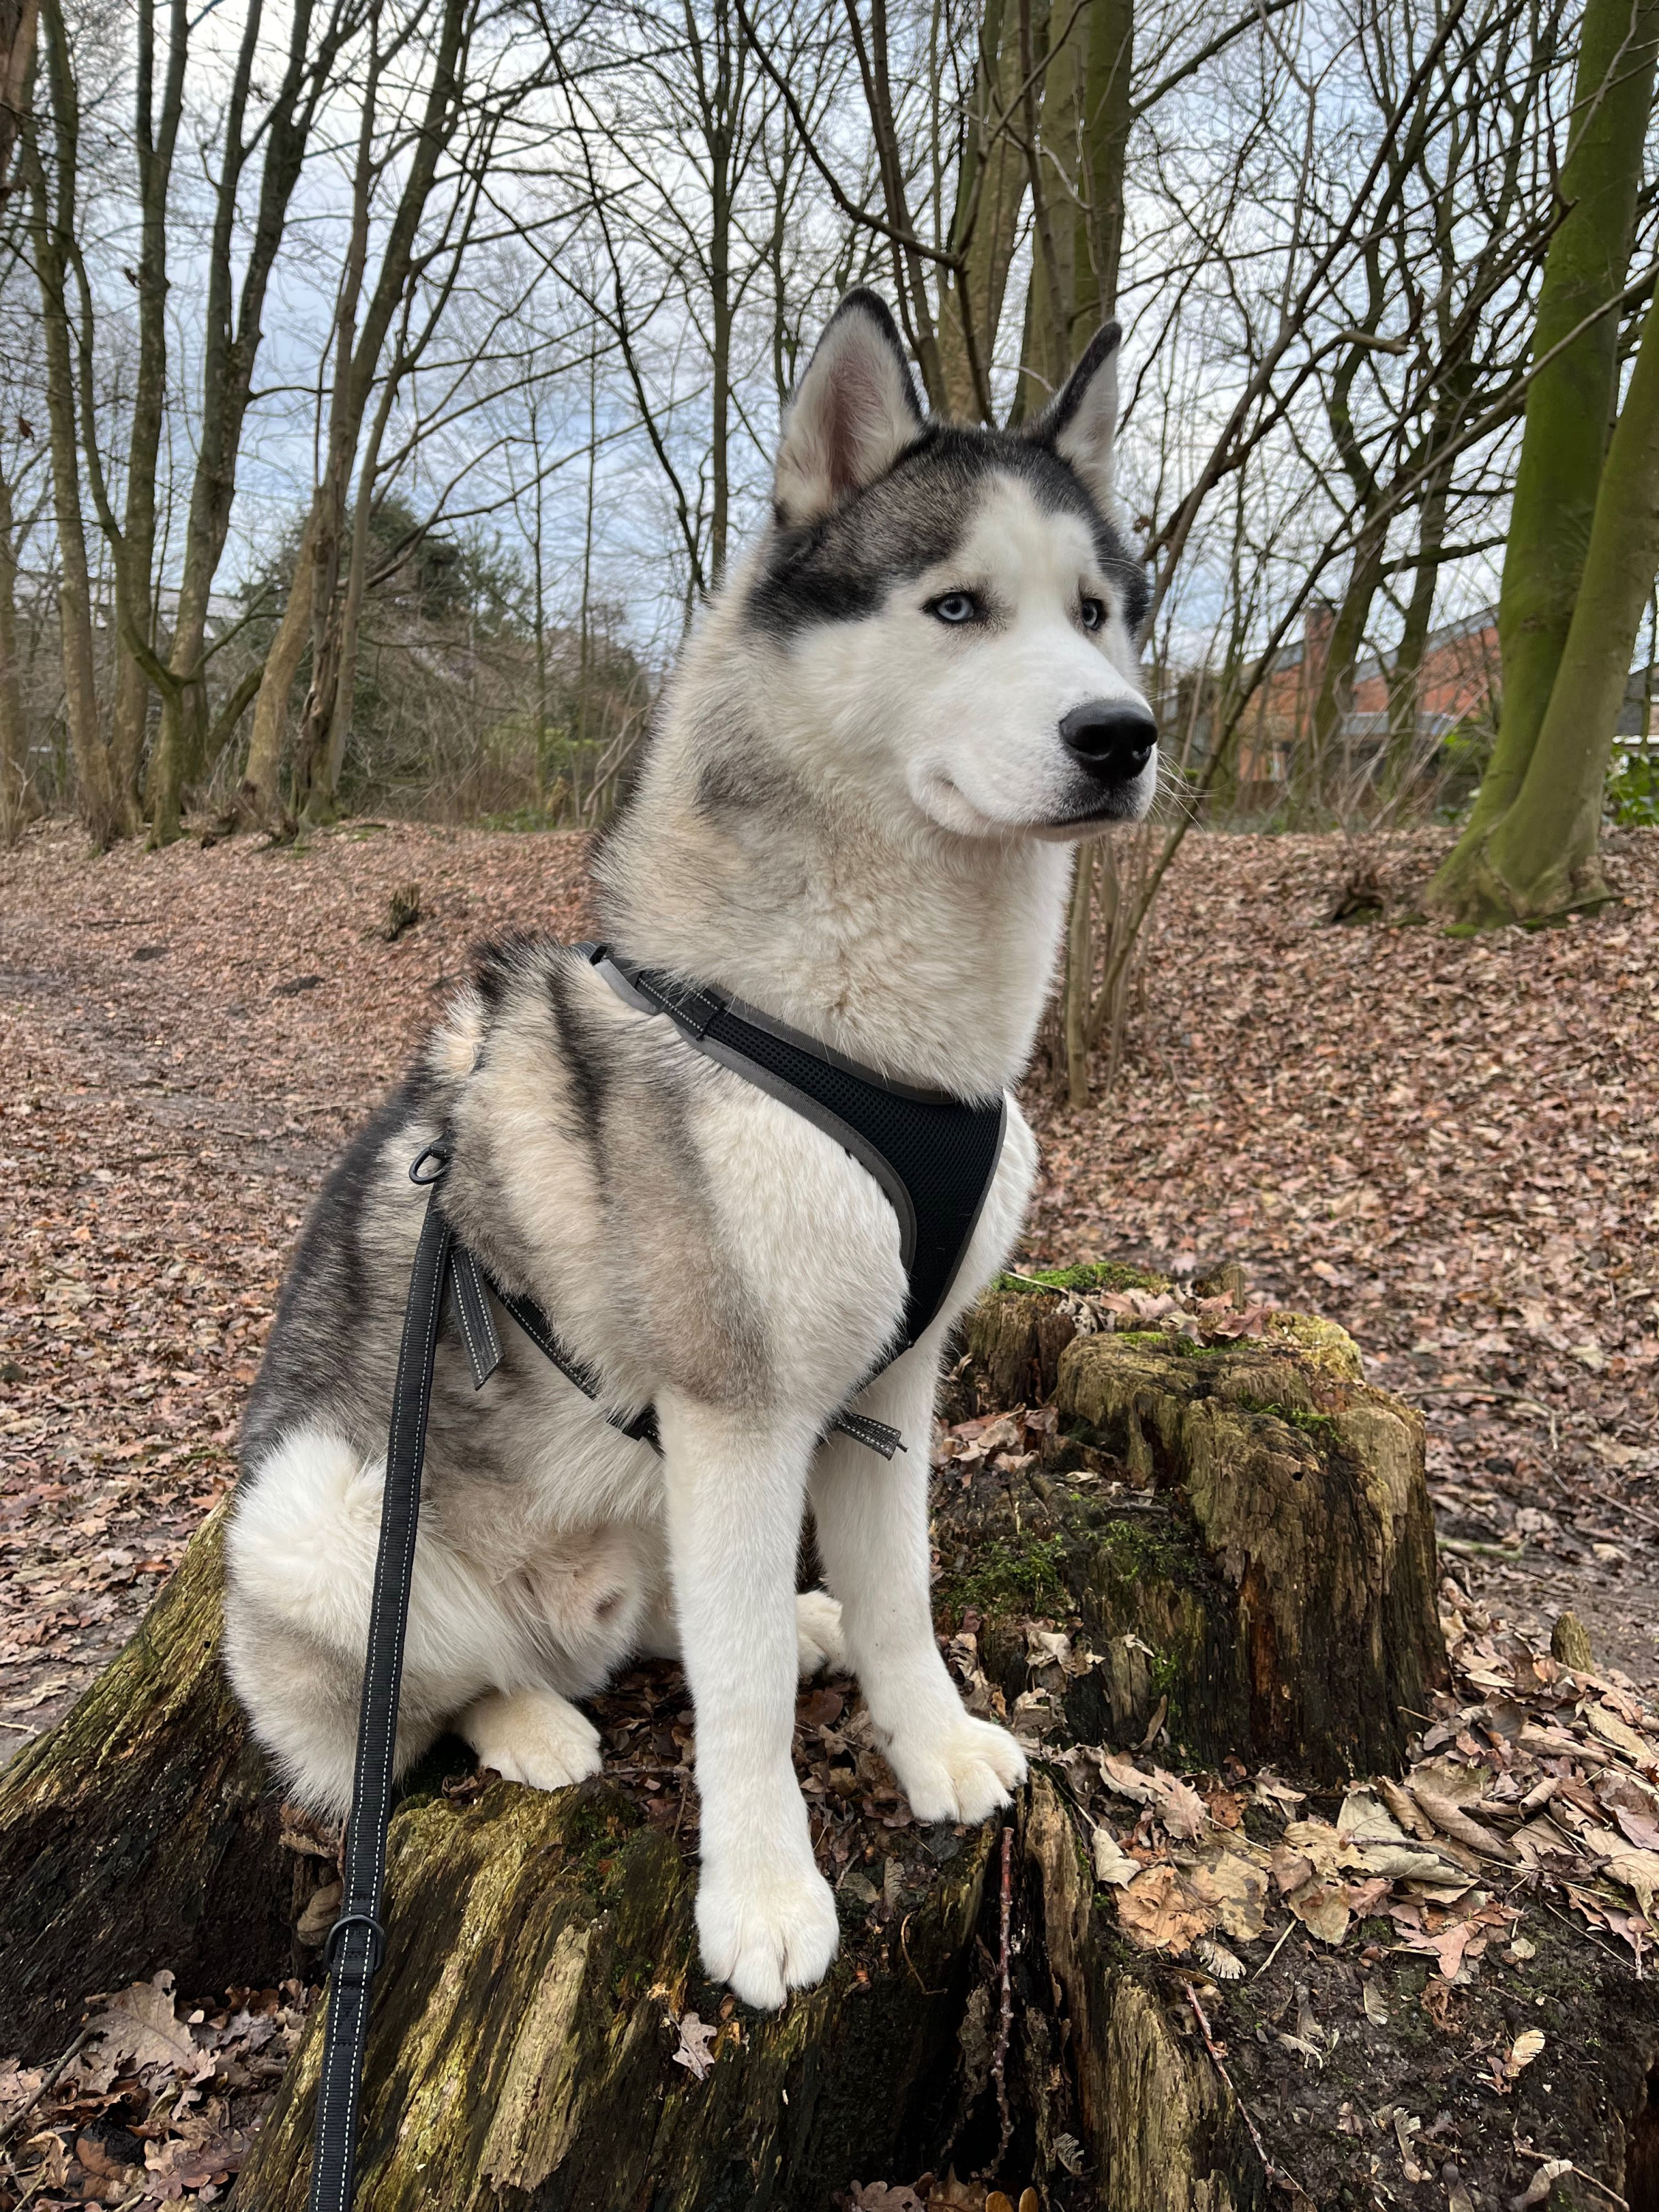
(1638,717)
(1456,683)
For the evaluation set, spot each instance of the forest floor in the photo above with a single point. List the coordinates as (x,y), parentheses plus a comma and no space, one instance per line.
(1448,1144)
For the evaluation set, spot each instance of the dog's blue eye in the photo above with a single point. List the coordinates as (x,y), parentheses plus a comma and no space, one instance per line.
(955,607)
(1094,613)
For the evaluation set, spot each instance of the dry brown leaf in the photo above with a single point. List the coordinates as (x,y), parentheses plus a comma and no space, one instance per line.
(1611,1729)
(138,2028)
(1179,1807)
(1322,1910)
(1160,1914)
(1236,1891)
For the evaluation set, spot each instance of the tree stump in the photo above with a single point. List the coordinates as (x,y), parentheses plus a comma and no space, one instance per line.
(1238,1536)
(142,1831)
(542,2000)
(1244,1528)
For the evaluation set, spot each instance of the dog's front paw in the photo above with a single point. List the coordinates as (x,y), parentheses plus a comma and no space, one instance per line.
(818,1633)
(962,1773)
(765,1934)
(534,1736)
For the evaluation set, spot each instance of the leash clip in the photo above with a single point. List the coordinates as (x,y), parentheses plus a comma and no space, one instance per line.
(376,1939)
(437,1150)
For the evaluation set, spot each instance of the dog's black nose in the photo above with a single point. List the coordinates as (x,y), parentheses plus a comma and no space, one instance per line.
(1112,738)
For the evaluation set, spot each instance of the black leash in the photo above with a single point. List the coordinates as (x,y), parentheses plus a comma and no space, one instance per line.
(357,1943)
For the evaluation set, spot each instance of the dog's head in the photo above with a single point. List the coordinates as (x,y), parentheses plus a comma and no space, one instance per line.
(958,611)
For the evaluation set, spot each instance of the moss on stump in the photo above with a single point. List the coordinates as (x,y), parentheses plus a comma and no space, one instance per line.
(1244,1528)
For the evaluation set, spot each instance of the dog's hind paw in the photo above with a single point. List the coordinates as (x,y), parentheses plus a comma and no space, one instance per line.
(964,1774)
(533,1736)
(765,1935)
(818,1633)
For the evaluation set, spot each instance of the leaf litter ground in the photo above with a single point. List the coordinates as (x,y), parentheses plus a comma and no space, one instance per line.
(1445,1145)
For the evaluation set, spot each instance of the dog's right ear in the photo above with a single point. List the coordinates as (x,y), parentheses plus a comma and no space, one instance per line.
(853,415)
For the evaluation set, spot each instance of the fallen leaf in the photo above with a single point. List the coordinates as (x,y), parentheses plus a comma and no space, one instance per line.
(1156,1911)
(1322,1910)
(1611,1729)
(138,2028)
(1238,1893)
(1113,1864)
(697,2047)
(1524,2049)
(1179,1807)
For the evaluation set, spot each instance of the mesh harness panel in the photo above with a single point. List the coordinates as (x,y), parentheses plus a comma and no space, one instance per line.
(934,1156)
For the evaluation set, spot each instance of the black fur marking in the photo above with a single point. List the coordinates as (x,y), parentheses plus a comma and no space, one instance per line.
(843,566)
(327,1295)
(584,1059)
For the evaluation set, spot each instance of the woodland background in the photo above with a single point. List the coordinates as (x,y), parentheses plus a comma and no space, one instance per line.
(387,386)
(387,382)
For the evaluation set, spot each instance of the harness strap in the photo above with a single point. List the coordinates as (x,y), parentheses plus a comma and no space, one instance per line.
(357,1943)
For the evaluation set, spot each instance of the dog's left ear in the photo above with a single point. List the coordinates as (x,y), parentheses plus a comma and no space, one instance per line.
(1080,422)
(853,415)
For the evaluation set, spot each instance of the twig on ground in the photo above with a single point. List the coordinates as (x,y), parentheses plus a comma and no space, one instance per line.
(49,2083)
(1543,2158)
(1274,2174)
(1005,2021)
(1274,1953)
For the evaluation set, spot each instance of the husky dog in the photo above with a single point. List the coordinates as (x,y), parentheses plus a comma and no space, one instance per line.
(857,813)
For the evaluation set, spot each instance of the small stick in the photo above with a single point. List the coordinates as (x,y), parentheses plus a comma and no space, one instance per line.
(54,2075)
(1274,2174)
(1273,1953)
(1006,2022)
(1543,2158)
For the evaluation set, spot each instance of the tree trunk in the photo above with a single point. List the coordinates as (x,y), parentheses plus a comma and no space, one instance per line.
(1335,693)
(18,802)
(261,793)
(142,1831)
(1542,856)
(1108,118)
(1569,407)
(984,225)
(52,218)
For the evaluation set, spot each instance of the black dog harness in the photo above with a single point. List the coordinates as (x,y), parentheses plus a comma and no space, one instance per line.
(933,1156)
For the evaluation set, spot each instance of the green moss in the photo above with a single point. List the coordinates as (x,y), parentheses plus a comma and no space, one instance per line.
(1093,1275)
(1135,1552)
(1315,1424)
(1022,1575)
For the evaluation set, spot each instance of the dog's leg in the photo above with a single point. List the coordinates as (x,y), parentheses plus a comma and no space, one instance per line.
(736,1487)
(532,1736)
(819,1646)
(872,1520)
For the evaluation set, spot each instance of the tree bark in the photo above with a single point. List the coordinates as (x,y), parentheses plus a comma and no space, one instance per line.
(52,221)
(985,223)
(19,801)
(142,1831)
(1272,1573)
(1542,856)
(1570,406)
(230,350)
